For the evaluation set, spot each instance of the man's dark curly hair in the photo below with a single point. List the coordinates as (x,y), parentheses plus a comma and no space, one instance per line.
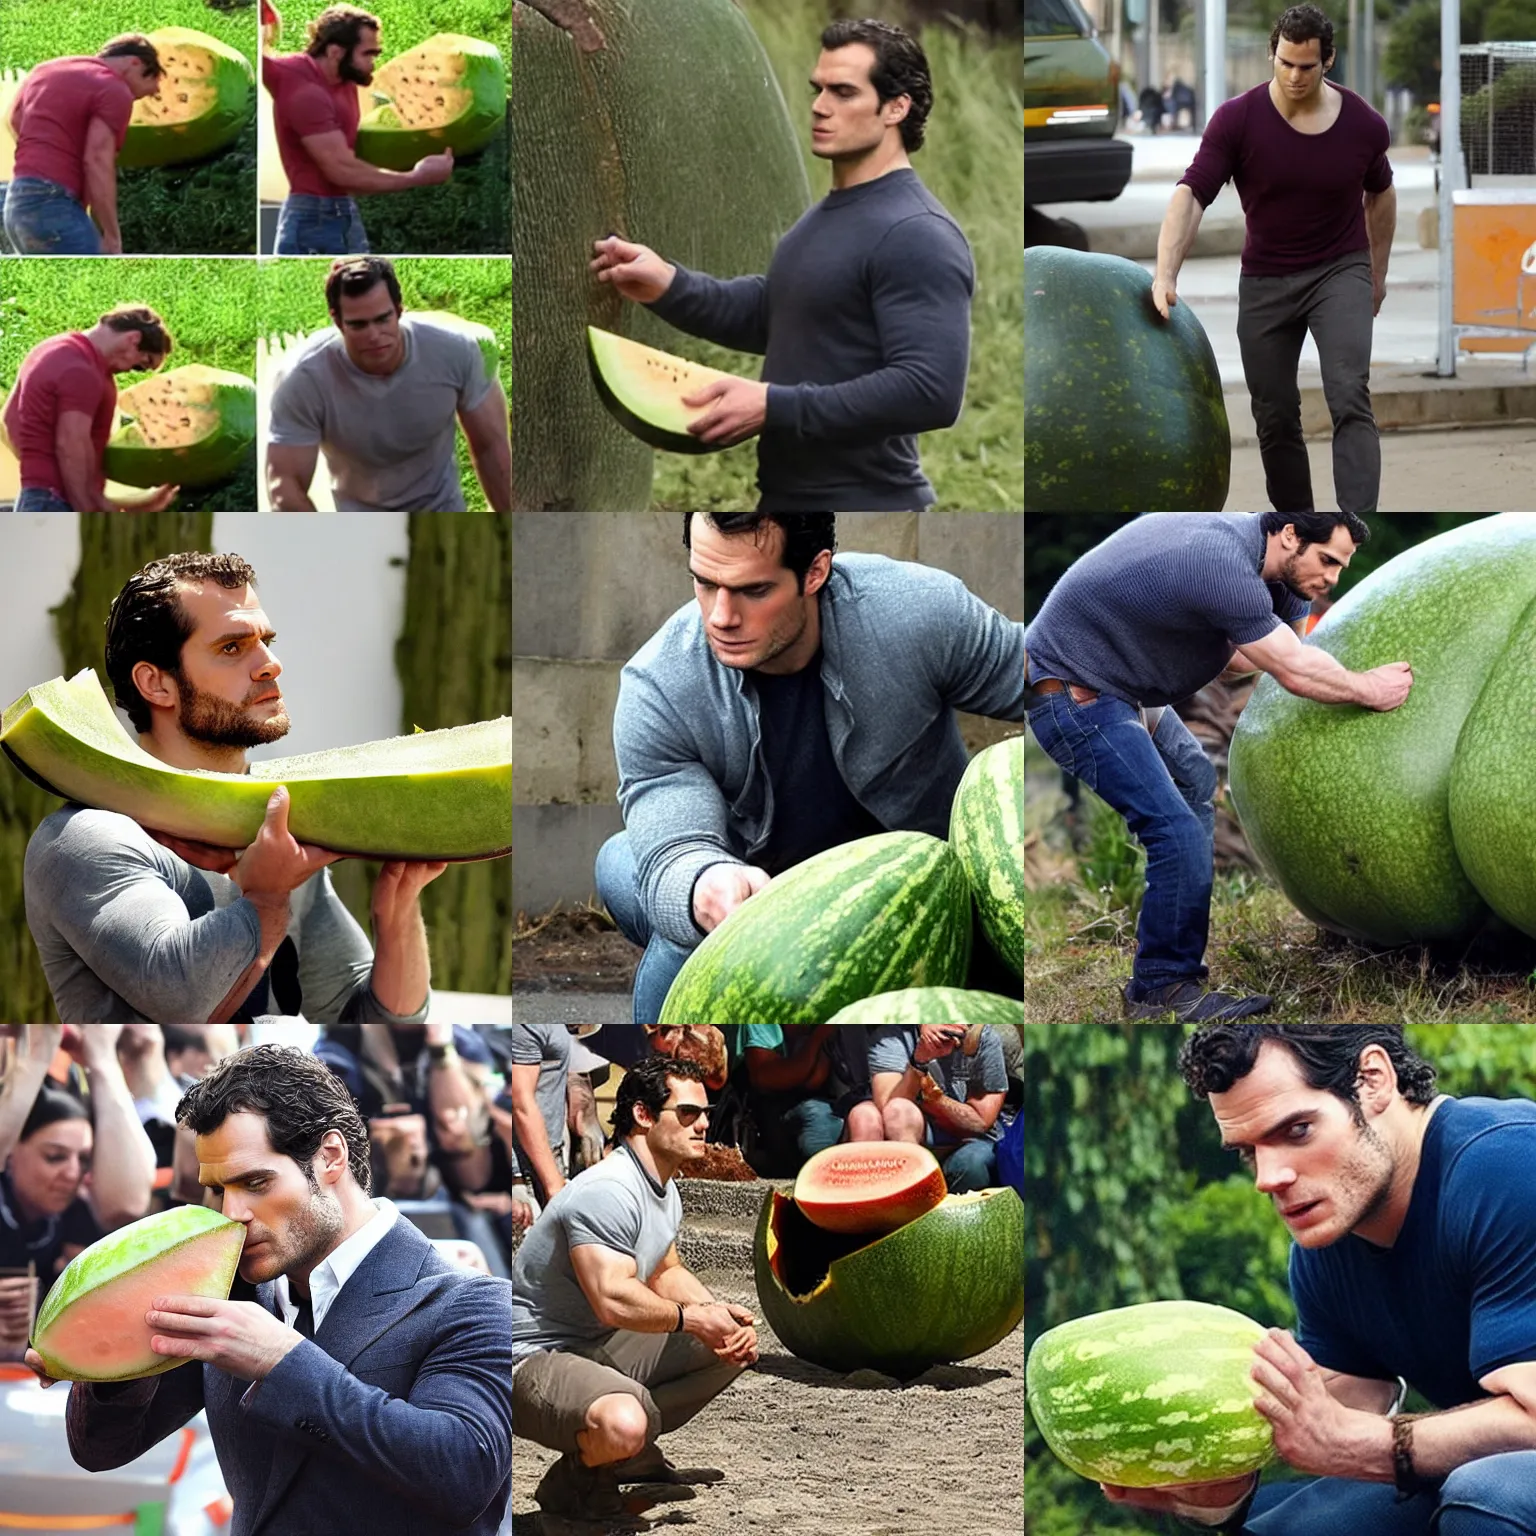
(1217,1055)
(806,534)
(300,1097)
(900,69)
(646,1083)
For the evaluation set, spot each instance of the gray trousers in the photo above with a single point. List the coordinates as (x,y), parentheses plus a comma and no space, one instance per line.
(1274,314)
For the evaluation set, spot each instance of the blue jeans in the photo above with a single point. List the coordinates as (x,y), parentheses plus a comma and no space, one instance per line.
(618,888)
(971,1166)
(1165,787)
(41,498)
(1492,1496)
(320,226)
(44,219)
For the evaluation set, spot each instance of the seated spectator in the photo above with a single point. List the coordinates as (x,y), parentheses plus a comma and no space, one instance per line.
(1151,104)
(924,1088)
(789,1070)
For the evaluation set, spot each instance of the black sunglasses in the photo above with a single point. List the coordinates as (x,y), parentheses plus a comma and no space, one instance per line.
(686,1113)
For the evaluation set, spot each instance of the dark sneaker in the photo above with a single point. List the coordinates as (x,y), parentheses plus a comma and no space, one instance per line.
(652,1466)
(1190,1003)
(579,1492)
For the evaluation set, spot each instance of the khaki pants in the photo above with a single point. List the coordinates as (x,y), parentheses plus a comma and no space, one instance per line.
(671,1375)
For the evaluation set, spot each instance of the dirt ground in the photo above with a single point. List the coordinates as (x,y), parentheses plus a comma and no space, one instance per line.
(571,951)
(807,1452)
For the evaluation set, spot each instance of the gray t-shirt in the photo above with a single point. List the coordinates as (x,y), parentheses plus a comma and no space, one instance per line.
(130,933)
(547,1047)
(616,1204)
(389,441)
(957,1074)
(1154,613)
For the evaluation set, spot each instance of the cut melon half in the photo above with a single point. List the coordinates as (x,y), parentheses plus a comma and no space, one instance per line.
(449,92)
(644,388)
(204,101)
(443,794)
(191,426)
(92,1324)
(869,1186)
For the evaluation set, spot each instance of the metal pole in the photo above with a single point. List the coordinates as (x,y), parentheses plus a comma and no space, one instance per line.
(1213,77)
(1450,175)
(1352,57)
(1368,53)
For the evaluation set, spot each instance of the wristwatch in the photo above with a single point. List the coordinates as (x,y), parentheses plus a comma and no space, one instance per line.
(441,1055)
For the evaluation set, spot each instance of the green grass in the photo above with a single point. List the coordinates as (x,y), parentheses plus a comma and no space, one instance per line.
(1080,940)
(207,305)
(973,162)
(207,208)
(291,299)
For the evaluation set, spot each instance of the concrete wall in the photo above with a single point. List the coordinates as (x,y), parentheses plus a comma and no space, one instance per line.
(588,589)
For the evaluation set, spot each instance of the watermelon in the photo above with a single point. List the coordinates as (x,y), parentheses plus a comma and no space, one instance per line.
(192,426)
(661,122)
(1409,825)
(946,1286)
(986,828)
(869,1186)
(91,1325)
(433,795)
(449,92)
(1123,411)
(644,389)
(873,915)
(1151,1396)
(932,1005)
(206,98)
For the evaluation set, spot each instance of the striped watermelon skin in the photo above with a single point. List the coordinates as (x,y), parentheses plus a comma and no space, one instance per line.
(1151,1395)
(932,1005)
(874,915)
(986,829)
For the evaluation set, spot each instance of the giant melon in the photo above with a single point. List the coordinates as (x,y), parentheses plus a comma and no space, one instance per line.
(661,122)
(986,828)
(443,794)
(1123,411)
(1409,825)
(449,92)
(644,390)
(872,915)
(204,102)
(1151,1396)
(946,1286)
(932,1005)
(91,1326)
(193,425)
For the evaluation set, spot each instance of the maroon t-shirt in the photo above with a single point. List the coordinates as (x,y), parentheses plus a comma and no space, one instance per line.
(54,109)
(304,103)
(1300,191)
(64,373)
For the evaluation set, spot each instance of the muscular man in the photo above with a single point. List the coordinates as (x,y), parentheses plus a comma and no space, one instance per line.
(864,315)
(60,414)
(69,121)
(379,394)
(133,926)
(315,111)
(1309,160)
(1154,613)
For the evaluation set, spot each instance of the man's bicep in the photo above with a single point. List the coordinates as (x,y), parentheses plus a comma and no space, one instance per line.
(100,140)
(487,422)
(1276,652)
(599,1269)
(525,1080)
(329,150)
(292,461)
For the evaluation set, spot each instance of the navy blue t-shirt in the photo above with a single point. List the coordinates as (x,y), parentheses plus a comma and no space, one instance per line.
(1455,1296)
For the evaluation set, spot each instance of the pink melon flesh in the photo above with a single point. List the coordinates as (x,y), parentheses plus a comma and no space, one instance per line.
(92,1326)
(869,1186)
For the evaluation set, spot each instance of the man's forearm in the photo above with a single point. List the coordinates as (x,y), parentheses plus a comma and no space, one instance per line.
(358,176)
(1380,227)
(101,195)
(80,483)
(954,1116)
(402,967)
(1180,226)
(493,469)
(679,1283)
(1444,1441)
(532,1137)
(123,1169)
(639,1307)
(1314,674)
(273,916)
(287,495)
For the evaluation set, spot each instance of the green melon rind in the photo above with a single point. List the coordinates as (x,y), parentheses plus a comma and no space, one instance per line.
(1123,411)
(119,1254)
(214,458)
(655,418)
(932,1005)
(443,794)
(945,1287)
(182,143)
(874,915)
(381,141)
(1151,1395)
(986,828)
(1349,808)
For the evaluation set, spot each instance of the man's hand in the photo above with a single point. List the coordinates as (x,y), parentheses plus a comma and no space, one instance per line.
(721,889)
(525,1208)
(240,1337)
(1163,295)
(726,1328)
(1378,291)
(34,1363)
(277,863)
(740,409)
(1314,1432)
(1386,687)
(432,170)
(935,1041)
(1179,1497)
(636,271)
(112,245)
(395,892)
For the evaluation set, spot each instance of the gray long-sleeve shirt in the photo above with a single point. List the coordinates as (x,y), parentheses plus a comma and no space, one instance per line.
(865,319)
(128,932)
(903,647)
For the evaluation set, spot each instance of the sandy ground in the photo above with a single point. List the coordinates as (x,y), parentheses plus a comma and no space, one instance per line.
(810,1453)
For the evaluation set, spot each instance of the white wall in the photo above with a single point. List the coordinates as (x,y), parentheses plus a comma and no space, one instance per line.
(326,584)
